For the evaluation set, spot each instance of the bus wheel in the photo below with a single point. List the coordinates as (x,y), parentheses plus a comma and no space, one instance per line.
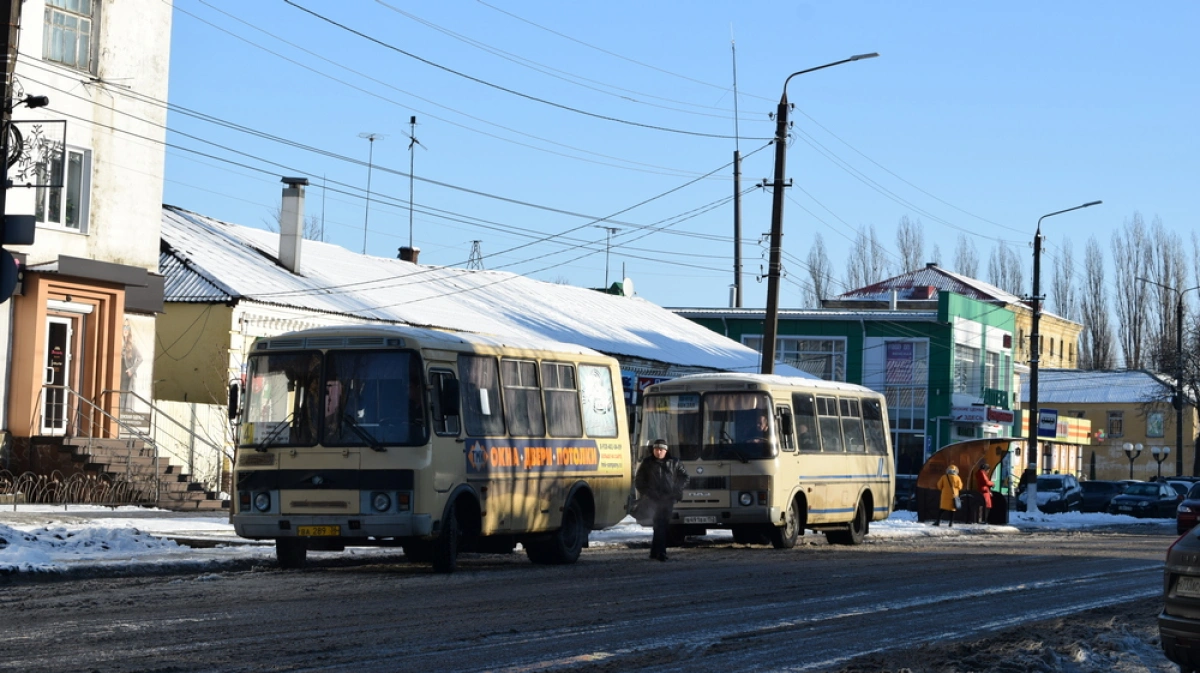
(855,532)
(445,546)
(564,545)
(784,537)
(291,552)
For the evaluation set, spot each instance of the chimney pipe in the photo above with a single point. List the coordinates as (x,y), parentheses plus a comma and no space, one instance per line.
(408,254)
(291,223)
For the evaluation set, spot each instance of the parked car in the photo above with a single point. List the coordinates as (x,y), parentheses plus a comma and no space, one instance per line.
(1055,493)
(1097,494)
(1179,621)
(1147,499)
(1188,511)
(906,493)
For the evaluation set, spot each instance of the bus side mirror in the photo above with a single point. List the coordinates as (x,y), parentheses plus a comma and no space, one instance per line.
(448,397)
(234,395)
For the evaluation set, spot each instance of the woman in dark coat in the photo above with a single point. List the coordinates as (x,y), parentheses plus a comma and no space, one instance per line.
(660,481)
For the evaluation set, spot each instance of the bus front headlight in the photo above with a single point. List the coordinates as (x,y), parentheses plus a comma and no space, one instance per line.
(262,502)
(381,502)
(746,499)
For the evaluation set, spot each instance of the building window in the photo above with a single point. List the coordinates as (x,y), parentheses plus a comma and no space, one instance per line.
(966,370)
(65,202)
(1116,424)
(69,33)
(824,358)
(1154,424)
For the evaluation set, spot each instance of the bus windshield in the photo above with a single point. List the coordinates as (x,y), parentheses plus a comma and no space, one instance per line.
(722,426)
(341,398)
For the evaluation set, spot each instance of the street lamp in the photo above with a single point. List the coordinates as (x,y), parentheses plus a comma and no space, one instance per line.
(1178,401)
(1160,454)
(1030,475)
(771,323)
(1133,451)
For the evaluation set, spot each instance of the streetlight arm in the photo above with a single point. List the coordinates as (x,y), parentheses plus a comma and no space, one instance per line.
(1060,212)
(858,57)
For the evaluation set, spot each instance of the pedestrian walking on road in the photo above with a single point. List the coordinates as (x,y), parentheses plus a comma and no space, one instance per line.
(950,485)
(983,482)
(660,481)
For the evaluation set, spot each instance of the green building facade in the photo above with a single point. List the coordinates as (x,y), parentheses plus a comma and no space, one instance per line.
(947,372)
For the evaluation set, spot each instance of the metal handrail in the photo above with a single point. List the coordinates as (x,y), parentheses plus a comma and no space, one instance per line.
(165,415)
(149,441)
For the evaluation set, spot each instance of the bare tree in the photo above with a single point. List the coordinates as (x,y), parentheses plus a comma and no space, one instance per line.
(1131,259)
(910,242)
(820,272)
(936,255)
(1064,298)
(868,261)
(966,257)
(314,230)
(1097,348)
(1004,270)
(1168,273)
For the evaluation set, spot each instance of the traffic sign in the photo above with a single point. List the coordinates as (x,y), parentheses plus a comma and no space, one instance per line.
(1047,423)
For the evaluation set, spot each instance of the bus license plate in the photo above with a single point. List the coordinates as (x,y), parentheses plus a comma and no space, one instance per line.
(699,519)
(318,531)
(1188,586)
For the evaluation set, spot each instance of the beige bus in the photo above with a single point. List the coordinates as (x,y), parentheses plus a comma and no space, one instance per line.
(432,441)
(770,456)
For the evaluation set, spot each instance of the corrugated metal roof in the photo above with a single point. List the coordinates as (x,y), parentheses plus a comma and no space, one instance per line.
(208,260)
(936,277)
(1066,386)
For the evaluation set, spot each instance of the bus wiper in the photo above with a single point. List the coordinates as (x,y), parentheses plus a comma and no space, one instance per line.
(262,446)
(362,433)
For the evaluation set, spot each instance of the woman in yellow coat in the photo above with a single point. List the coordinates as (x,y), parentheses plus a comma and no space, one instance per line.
(949,484)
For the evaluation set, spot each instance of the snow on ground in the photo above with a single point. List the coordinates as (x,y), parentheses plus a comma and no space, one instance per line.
(45,538)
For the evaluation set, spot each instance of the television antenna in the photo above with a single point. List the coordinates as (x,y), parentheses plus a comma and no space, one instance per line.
(412,142)
(371,138)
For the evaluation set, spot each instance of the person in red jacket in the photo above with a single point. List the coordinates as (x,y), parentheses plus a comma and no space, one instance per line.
(983,483)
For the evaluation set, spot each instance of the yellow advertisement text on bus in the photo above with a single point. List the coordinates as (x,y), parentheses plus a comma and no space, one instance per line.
(507,455)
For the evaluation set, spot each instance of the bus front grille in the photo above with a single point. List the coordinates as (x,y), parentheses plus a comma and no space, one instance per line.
(710,483)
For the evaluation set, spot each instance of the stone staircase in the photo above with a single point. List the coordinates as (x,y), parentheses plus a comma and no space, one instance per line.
(132,461)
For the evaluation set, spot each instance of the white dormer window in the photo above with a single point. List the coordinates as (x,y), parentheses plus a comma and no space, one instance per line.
(69,35)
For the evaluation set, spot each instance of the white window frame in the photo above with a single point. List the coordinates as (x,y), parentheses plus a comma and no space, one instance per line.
(74,24)
(75,179)
(966,370)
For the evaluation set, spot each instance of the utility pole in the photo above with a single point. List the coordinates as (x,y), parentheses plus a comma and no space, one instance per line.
(412,143)
(737,190)
(607,247)
(371,138)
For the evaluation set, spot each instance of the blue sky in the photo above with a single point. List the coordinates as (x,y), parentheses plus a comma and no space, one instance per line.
(538,120)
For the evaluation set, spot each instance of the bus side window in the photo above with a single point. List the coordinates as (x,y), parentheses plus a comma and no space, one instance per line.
(784,428)
(480,396)
(876,429)
(446,421)
(852,425)
(805,421)
(522,398)
(562,400)
(831,425)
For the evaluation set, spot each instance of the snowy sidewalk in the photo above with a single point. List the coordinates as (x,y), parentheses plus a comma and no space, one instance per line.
(132,540)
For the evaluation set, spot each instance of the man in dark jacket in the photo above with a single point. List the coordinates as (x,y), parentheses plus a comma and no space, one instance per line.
(660,481)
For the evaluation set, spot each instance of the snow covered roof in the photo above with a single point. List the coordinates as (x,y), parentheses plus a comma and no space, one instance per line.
(817,314)
(206,260)
(1067,386)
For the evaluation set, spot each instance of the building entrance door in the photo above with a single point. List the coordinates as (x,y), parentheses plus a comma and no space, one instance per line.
(56,375)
